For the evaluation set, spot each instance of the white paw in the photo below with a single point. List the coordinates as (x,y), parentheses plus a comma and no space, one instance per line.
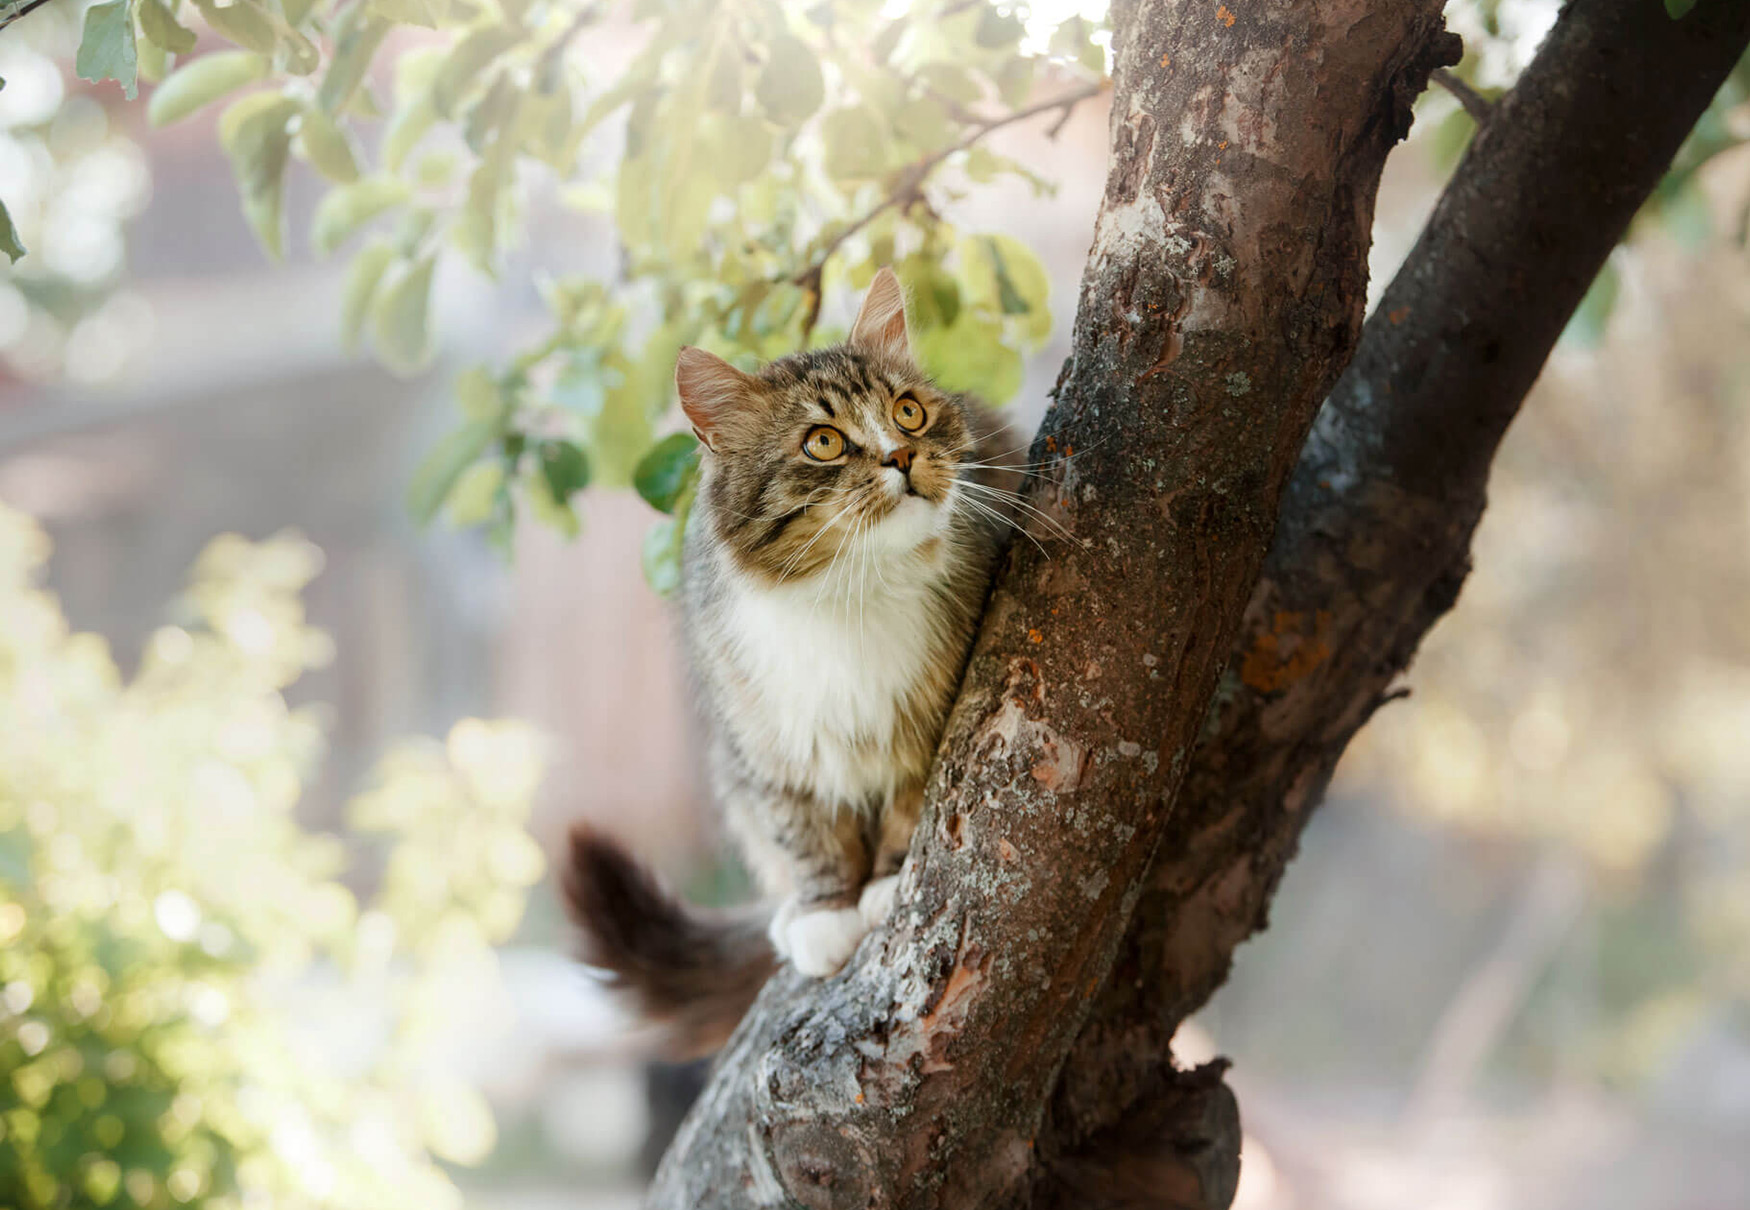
(819,942)
(876,904)
(778,931)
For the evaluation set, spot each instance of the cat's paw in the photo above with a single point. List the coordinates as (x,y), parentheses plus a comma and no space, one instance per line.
(817,943)
(877,901)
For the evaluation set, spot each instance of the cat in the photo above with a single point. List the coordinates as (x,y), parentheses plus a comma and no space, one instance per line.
(848,516)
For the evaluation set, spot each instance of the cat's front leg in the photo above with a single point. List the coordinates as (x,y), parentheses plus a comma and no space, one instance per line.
(898,821)
(818,853)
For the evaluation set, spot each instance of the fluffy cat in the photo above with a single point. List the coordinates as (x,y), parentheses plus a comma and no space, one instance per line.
(835,568)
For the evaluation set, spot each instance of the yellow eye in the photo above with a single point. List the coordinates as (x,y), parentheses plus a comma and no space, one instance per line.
(908,414)
(823,443)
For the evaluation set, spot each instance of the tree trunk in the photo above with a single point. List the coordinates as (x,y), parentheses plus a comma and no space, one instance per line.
(1222,296)
(1372,546)
(985,1050)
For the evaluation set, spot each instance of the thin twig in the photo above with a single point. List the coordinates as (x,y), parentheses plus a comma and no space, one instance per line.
(908,186)
(1474,102)
(24,10)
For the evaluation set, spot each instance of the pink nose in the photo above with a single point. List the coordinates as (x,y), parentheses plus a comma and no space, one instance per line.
(902,459)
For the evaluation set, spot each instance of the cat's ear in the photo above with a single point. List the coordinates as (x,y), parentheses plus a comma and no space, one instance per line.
(880,325)
(712,391)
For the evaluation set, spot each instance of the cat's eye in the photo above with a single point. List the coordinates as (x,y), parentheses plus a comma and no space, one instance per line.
(908,414)
(823,443)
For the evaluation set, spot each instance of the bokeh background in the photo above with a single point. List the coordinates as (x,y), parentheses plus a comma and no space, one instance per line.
(1511,967)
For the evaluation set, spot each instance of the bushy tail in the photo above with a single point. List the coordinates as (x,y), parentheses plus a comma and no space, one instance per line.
(691,972)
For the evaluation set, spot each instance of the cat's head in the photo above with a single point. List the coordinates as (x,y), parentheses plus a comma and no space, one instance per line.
(844,448)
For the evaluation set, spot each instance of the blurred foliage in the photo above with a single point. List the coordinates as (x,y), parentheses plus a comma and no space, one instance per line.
(71,179)
(755,158)
(194,1008)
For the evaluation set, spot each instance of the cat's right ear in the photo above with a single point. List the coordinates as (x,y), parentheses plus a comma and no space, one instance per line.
(712,391)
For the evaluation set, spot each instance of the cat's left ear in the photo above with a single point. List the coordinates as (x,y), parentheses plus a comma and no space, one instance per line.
(880,326)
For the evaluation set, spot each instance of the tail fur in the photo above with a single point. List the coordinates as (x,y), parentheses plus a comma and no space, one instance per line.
(693,973)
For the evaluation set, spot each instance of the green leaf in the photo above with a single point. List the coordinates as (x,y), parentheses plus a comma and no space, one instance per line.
(479,395)
(971,356)
(344,210)
(790,86)
(362,278)
(405,129)
(327,146)
(242,23)
(474,496)
(667,470)
(202,82)
(106,49)
(257,133)
(564,468)
(437,474)
(663,546)
(401,321)
(466,62)
(355,43)
(1679,9)
(162,29)
(661,556)
(9,236)
(856,144)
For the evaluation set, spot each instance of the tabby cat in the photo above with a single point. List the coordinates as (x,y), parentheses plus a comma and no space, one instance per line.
(835,566)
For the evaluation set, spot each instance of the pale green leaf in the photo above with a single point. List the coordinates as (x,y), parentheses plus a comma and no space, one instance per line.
(202,82)
(790,86)
(355,43)
(362,278)
(401,319)
(344,210)
(475,493)
(106,48)
(161,28)
(327,146)
(438,472)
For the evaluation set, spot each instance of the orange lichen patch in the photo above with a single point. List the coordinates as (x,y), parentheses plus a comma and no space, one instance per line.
(859,1098)
(1288,651)
(1166,60)
(1225,17)
(1222,145)
(1033,636)
(1397,315)
(1051,444)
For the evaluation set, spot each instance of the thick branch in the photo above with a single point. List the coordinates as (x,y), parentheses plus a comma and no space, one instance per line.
(1375,532)
(1223,293)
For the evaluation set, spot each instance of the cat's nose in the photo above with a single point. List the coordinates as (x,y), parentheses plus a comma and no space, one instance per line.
(901,458)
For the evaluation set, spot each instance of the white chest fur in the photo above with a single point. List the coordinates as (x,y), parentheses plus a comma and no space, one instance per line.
(826,667)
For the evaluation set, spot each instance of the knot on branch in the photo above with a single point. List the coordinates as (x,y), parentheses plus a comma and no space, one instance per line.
(1442,50)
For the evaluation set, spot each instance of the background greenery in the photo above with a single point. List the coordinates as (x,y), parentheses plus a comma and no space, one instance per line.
(171,936)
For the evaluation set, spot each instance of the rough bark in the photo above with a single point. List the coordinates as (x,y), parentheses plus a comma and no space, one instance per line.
(1223,294)
(1374,538)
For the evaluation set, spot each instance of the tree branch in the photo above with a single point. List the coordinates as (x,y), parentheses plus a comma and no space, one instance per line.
(1374,537)
(909,183)
(1224,291)
(1474,102)
(19,13)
